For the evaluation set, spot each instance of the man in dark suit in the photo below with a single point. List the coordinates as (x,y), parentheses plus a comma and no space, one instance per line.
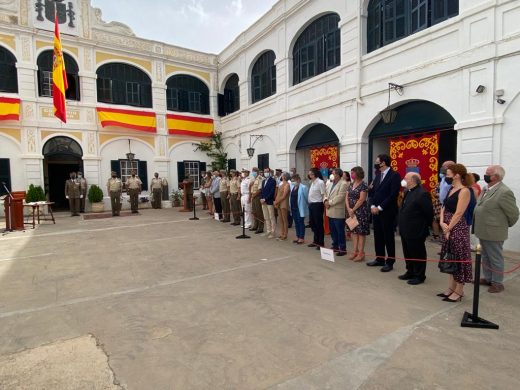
(415,218)
(267,199)
(384,211)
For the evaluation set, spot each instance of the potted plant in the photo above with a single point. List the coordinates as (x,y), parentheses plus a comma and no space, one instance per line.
(95,197)
(35,194)
(176,198)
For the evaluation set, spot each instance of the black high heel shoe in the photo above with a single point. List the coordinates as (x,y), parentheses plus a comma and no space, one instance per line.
(448,299)
(443,295)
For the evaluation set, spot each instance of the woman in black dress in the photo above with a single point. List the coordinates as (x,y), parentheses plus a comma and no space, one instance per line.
(356,204)
(456,231)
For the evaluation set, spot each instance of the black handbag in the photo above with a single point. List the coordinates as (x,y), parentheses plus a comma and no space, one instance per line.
(448,264)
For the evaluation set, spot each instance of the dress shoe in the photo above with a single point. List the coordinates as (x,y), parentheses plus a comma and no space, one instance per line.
(253,229)
(311,245)
(415,281)
(359,257)
(496,288)
(405,276)
(341,253)
(387,268)
(443,295)
(318,247)
(375,263)
(448,299)
(484,282)
(259,232)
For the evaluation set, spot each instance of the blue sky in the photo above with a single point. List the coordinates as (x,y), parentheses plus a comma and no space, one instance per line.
(205,25)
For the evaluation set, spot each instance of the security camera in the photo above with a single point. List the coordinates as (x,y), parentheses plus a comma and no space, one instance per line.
(480,89)
(500,101)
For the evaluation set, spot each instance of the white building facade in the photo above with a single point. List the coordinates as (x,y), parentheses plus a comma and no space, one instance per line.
(308,73)
(440,67)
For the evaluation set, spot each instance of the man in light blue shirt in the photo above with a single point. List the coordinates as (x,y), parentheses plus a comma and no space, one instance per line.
(214,190)
(444,187)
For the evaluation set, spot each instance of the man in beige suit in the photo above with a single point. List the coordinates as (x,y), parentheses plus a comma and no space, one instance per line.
(134,186)
(495,213)
(73,194)
(335,208)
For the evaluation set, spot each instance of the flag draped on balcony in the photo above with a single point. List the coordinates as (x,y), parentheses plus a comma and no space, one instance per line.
(9,109)
(59,76)
(129,119)
(189,125)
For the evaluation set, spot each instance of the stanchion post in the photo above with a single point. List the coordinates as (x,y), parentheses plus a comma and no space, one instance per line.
(194,212)
(472,320)
(243,235)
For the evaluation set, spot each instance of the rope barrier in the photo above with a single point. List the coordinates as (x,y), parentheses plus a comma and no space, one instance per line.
(514,269)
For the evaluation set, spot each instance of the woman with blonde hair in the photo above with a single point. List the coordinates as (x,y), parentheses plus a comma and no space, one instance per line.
(455,230)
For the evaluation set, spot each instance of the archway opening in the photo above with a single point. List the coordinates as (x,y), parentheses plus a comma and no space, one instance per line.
(420,139)
(317,147)
(61,155)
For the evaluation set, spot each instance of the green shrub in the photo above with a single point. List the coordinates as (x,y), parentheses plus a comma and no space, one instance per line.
(95,194)
(35,194)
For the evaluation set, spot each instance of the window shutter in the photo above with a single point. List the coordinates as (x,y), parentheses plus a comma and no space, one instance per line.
(116,167)
(221,105)
(204,103)
(143,173)
(232,164)
(180,172)
(202,167)
(146,95)
(5,175)
(184,102)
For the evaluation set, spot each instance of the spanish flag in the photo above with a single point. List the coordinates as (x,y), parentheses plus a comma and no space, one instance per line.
(129,119)
(189,125)
(59,76)
(9,109)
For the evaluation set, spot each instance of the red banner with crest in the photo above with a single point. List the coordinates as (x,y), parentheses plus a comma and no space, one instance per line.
(324,158)
(417,154)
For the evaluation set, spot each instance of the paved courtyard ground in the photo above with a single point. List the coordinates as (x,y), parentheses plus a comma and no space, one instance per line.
(155,301)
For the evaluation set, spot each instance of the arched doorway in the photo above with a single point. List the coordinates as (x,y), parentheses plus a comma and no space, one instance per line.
(420,139)
(317,147)
(61,155)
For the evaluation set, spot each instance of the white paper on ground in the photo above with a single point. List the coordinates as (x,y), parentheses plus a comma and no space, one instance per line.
(327,254)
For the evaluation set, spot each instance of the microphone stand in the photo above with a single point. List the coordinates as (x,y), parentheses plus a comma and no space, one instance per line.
(10,229)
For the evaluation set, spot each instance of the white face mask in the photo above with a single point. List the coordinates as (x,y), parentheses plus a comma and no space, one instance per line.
(331,177)
(267,174)
(404,184)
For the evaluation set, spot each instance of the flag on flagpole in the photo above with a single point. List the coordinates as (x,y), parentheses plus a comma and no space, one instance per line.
(59,76)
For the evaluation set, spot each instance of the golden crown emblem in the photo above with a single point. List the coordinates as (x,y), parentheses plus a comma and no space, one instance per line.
(412,163)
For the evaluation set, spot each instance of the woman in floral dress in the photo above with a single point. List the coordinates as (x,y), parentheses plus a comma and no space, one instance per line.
(456,231)
(356,204)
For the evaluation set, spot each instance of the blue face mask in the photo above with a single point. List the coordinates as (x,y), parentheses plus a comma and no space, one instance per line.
(253,174)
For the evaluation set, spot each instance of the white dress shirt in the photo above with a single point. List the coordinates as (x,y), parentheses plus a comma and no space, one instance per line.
(316,191)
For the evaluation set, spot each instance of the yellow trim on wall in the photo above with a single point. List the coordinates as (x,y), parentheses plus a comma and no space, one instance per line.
(15,133)
(50,44)
(105,137)
(47,133)
(173,68)
(8,40)
(102,57)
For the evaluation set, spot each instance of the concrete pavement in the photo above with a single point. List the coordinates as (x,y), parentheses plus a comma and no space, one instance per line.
(178,304)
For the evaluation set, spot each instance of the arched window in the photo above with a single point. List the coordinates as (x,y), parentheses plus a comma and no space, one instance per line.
(8,80)
(263,77)
(391,20)
(187,94)
(119,83)
(231,95)
(317,48)
(44,62)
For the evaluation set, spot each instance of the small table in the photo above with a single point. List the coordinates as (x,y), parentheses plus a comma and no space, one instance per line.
(36,210)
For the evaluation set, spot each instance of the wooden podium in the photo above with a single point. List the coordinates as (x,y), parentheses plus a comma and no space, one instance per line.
(187,200)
